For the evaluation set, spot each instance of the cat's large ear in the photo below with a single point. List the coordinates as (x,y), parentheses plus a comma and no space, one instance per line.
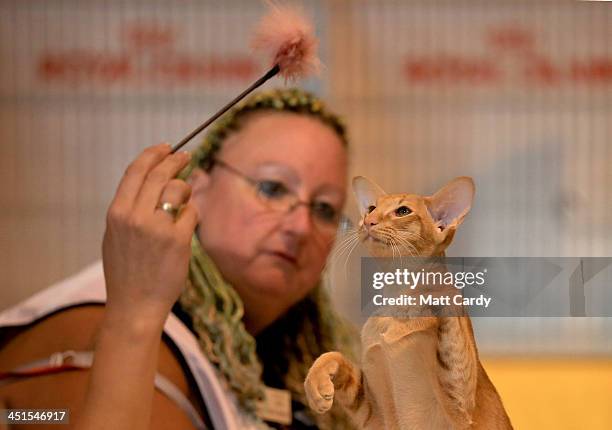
(449,206)
(366,193)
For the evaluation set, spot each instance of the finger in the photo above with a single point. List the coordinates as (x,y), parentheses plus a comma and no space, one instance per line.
(156,180)
(187,219)
(176,192)
(136,172)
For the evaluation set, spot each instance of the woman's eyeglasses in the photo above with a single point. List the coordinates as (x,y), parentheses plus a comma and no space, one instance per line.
(276,196)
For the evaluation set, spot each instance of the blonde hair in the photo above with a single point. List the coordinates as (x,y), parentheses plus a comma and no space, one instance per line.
(289,346)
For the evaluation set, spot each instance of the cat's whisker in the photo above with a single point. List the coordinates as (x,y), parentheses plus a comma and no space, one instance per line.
(347,258)
(399,253)
(391,242)
(392,248)
(345,246)
(415,238)
(346,252)
(346,243)
(412,235)
(412,250)
(344,240)
(406,243)
(399,250)
(340,246)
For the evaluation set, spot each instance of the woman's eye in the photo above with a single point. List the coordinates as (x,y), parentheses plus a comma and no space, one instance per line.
(371,208)
(403,211)
(325,212)
(272,189)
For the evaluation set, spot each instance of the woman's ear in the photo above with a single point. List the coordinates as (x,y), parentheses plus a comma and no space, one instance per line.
(199,180)
(366,192)
(449,206)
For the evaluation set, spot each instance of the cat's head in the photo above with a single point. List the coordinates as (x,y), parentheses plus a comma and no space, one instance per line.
(410,224)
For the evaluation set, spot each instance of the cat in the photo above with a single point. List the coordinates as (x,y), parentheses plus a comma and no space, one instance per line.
(417,372)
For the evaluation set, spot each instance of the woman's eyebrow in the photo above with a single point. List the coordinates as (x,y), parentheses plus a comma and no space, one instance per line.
(331,190)
(278,168)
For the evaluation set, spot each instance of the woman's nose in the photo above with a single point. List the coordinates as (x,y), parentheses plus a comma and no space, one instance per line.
(298,220)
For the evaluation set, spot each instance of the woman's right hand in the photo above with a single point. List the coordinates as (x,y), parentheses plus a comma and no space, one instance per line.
(146,255)
(145,250)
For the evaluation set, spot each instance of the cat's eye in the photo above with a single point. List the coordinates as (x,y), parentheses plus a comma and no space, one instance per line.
(371,208)
(403,211)
(271,189)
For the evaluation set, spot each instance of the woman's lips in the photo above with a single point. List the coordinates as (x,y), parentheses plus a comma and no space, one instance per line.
(284,256)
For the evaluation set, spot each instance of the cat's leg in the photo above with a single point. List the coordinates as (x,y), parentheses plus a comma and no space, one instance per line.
(332,376)
(457,368)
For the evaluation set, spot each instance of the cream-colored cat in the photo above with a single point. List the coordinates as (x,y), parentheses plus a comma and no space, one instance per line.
(417,372)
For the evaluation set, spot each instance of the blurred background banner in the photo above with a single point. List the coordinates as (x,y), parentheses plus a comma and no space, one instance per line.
(85,86)
(516,94)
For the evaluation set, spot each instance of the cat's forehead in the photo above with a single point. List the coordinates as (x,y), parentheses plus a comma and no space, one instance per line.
(400,199)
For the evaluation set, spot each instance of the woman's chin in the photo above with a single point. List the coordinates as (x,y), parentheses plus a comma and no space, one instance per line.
(274,281)
(271,278)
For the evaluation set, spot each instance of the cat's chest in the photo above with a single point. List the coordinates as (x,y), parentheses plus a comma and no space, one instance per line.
(373,330)
(385,330)
(399,368)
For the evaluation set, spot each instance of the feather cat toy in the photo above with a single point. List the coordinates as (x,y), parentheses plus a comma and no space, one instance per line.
(417,372)
(288,38)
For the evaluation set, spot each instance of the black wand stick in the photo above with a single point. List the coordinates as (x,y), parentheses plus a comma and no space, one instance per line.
(272,72)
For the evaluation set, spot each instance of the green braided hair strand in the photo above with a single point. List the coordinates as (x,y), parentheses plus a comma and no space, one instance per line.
(286,100)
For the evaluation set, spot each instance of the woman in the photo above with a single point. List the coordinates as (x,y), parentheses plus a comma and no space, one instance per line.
(265,191)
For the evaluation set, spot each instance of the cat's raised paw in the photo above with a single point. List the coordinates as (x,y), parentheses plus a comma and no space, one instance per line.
(319,385)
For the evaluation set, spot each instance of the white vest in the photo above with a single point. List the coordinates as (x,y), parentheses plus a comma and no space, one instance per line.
(88,286)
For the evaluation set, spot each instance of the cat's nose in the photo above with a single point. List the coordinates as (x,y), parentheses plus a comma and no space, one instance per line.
(369,221)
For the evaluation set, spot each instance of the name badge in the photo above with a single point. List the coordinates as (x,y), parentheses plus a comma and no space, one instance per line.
(276,406)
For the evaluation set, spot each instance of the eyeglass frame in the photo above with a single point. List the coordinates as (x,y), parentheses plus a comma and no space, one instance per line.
(340,218)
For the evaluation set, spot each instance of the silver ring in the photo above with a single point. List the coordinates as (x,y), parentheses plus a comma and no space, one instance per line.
(168,208)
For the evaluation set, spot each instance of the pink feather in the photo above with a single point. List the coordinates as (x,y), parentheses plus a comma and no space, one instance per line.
(288,37)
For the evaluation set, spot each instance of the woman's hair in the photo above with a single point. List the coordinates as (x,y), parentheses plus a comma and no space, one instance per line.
(284,100)
(283,353)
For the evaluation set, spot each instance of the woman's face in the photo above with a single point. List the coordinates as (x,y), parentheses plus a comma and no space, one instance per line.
(267,253)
